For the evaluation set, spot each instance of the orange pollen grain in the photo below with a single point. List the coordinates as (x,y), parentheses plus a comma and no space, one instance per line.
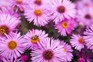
(34,39)
(81,40)
(18,1)
(12,45)
(64,24)
(38,12)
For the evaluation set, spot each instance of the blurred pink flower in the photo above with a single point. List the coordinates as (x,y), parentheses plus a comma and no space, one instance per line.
(38,14)
(88,37)
(39,2)
(68,51)
(5,3)
(12,3)
(33,37)
(84,4)
(8,23)
(10,11)
(77,41)
(50,51)
(65,26)
(62,9)
(13,46)
(85,16)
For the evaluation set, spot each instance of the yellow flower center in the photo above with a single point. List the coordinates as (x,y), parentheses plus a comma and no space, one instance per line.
(4,30)
(38,2)
(18,1)
(64,24)
(35,39)
(81,40)
(12,45)
(38,12)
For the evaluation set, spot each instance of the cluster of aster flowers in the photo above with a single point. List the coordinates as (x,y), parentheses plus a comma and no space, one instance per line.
(46,30)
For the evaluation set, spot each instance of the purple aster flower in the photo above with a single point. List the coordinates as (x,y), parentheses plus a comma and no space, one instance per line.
(77,41)
(8,23)
(85,16)
(88,37)
(38,14)
(5,3)
(33,37)
(68,51)
(12,3)
(50,51)
(62,9)
(66,26)
(13,46)
(9,10)
(20,3)
(39,2)
(84,4)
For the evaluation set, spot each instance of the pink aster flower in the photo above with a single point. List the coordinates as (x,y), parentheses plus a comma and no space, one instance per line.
(10,11)
(20,3)
(67,50)
(8,23)
(13,3)
(84,4)
(39,15)
(88,37)
(49,51)
(13,46)
(85,16)
(62,9)
(5,3)
(39,2)
(66,26)
(77,41)
(33,37)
